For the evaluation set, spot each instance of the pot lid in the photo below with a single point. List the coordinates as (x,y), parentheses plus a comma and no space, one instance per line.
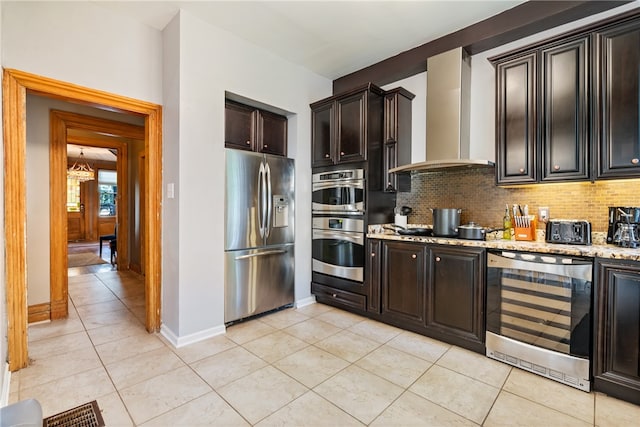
(471,226)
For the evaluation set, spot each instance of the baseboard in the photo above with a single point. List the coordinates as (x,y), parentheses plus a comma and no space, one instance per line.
(6,382)
(306,301)
(38,312)
(178,342)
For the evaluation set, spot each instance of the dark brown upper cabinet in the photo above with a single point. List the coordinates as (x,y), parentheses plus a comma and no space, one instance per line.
(618,100)
(568,109)
(345,127)
(252,129)
(397,138)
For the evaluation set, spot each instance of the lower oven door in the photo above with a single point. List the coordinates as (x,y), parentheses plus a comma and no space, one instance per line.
(338,253)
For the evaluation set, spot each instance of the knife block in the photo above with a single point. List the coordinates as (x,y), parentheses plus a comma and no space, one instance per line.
(528,232)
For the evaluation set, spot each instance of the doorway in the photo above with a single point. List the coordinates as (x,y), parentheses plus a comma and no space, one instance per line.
(16,84)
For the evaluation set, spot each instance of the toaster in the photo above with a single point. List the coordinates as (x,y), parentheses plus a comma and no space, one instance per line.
(568,231)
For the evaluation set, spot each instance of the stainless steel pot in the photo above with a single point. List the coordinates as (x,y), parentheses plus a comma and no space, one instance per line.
(446,221)
(473,231)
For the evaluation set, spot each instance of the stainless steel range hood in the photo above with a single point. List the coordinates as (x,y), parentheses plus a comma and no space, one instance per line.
(448,96)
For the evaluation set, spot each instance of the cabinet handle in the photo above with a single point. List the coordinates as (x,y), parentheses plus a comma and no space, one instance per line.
(556,167)
(248,142)
(521,170)
(265,146)
(437,259)
(635,161)
(342,153)
(414,256)
(326,156)
(334,295)
(373,254)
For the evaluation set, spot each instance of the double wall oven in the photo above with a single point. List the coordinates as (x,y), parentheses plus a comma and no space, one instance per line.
(338,207)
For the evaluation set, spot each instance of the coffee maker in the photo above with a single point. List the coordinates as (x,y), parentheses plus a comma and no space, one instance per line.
(624,224)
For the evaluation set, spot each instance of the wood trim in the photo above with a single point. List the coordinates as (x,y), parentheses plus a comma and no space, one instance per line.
(528,18)
(60,123)
(15,86)
(39,312)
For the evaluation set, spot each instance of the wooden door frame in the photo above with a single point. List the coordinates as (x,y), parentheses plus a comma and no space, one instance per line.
(16,84)
(60,123)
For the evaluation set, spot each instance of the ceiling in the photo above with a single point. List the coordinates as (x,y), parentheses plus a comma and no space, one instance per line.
(331,38)
(90,153)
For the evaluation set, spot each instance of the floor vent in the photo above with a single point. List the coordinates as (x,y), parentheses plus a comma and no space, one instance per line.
(87,415)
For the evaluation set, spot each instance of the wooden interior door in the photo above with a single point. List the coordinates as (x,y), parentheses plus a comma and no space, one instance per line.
(76,226)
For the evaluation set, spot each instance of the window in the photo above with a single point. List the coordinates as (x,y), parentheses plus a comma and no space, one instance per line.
(107,192)
(73,195)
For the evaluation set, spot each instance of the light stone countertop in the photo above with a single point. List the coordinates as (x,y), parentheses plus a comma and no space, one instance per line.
(598,249)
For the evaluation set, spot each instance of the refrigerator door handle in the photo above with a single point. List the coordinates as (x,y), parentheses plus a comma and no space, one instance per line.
(261,188)
(269,207)
(258,254)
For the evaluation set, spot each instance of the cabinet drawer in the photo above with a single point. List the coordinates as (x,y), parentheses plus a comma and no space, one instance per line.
(333,296)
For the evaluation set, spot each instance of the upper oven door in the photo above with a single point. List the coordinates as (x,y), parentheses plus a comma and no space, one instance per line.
(344,197)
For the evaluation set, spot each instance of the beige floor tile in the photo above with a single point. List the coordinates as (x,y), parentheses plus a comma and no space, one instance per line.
(227,366)
(199,350)
(412,410)
(359,393)
(511,410)
(375,331)
(143,367)
(275,346)
(111,318)
(51,368)
(93,295)
(420,346)
(56,328)
(248,331)
(475,365)
(284,318)
(125,348)
(114,413)
(261,393)
(135,301)
(117,332)
(465,396)
(612,412)
(394,365)
(347,345)
(163,393)
(207,410)
(310,410)
(102,307)
(311,365)
(341,319)
(312,330)
(49,347)
(552,394)
(313,310)
(70,391)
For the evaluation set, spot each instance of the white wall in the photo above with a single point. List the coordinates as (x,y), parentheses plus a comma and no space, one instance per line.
(213,61)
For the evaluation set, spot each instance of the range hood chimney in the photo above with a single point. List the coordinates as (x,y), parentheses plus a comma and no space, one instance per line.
(448,99)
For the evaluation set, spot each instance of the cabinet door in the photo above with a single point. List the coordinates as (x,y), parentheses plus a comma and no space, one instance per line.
(372,275)
(616,361)
(322,134)
(516,121)
(351,125)
(619,101)
(565,111)
(403,282)
(455,294)
(239,126)
(272,133)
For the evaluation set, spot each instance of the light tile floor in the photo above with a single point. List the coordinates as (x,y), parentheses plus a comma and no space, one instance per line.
(312,366)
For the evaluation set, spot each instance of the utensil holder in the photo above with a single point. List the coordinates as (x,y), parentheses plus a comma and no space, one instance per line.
(525,227)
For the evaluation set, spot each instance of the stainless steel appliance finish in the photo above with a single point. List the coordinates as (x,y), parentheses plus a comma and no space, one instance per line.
(446,221)
(568,231)
(338,192)
(259,233)
(539,314)
(338,247)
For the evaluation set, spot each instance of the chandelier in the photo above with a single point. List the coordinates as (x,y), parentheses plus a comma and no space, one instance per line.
(81,171)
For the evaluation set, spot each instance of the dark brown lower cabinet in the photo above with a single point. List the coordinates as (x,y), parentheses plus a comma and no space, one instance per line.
(372,274)
(455,295)
(403,282)
(616,358)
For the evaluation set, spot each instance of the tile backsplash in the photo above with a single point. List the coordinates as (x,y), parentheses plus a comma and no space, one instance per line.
(475,192)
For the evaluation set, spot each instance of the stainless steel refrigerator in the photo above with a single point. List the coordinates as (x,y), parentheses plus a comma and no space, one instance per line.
(259,233)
